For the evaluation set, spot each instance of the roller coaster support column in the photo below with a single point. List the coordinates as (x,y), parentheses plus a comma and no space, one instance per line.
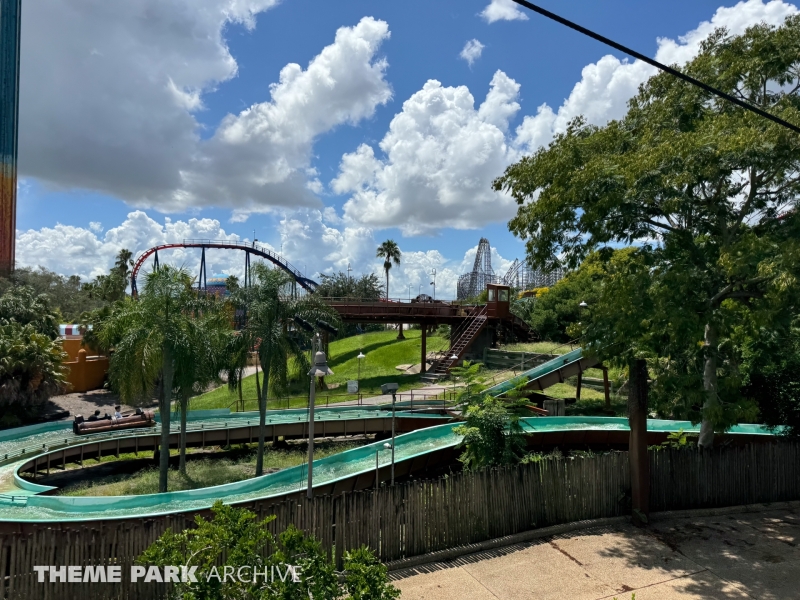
(423,363)
(637,447)
(201,284)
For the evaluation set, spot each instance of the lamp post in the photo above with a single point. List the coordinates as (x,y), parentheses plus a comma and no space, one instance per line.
(360,357)
(386,446)
(453,358)
(433,283)
(318,369)
(391,388)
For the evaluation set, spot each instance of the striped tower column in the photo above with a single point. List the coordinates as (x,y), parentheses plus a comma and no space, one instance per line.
(10,12)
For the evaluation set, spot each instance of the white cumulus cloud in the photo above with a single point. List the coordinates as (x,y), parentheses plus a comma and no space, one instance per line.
(472,51)
(110,93)
(313,241)
(435,165)
(503,10)
(73,250)
(440,153)
(607,85)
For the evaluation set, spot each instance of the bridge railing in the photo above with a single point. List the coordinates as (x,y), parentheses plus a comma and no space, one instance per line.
(354,300)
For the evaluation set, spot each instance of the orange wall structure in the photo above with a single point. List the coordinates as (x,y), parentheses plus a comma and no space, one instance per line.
(86,372)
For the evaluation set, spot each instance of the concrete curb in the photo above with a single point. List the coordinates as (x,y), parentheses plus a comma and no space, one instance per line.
(527,536)
(509,540)
(727,510)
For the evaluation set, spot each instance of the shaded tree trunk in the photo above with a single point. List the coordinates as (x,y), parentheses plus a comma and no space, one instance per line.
(258,383)
(241,400)
(400,335)
(710,384)
(637,447)
(168,370)
(184,411)
(262,422)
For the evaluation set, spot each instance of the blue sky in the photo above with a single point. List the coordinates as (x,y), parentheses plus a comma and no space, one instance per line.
(155,120)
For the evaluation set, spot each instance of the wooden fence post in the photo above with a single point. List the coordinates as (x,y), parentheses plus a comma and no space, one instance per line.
(637,447)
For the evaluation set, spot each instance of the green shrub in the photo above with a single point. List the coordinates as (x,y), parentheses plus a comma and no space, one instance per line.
(235,538)
(30,371)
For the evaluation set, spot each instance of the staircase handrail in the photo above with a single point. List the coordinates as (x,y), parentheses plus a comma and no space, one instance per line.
(455,335)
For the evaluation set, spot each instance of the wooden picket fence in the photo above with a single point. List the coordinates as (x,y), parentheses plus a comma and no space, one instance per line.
(420,517)
(726,476)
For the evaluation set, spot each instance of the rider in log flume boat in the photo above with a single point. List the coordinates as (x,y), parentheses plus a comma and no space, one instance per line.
(98,424)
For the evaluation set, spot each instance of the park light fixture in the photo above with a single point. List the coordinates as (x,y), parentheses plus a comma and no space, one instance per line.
(386,446)
(583,305)
(391,388)
(318,369)
(360,357)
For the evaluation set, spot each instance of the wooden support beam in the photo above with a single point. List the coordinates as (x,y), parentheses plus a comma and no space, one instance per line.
(637,447)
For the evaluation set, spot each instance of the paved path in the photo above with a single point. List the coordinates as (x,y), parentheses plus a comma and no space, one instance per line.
(736,556)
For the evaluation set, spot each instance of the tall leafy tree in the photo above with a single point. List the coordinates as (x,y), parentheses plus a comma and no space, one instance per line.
(67,295)
(31,357)
(342,285)
(390,253)
(111,287)
(31,370)
(150,336)
(201,357)
(25,306)
(710,187)
(271,313)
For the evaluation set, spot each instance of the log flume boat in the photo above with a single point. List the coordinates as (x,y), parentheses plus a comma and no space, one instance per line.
(95,424)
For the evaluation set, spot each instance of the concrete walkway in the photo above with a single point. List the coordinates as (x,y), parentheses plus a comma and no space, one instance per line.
(735,556)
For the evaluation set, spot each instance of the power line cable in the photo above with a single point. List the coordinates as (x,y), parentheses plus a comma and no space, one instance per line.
(655,63)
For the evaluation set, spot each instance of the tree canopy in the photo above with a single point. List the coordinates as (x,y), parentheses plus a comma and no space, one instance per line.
(342,285)
(31,357)
(706,189)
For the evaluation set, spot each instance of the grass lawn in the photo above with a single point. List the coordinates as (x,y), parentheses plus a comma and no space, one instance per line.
(539,347)
(204,472)
(383,353)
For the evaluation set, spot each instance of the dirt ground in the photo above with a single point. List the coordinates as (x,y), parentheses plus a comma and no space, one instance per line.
(85,403)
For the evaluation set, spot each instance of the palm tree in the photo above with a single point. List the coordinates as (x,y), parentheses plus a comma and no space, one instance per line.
(235,363)
(201,356)
(390,252)
(124,262)
(149,336)
(271,313)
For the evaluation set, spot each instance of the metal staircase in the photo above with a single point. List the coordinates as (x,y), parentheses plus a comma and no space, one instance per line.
(460,341)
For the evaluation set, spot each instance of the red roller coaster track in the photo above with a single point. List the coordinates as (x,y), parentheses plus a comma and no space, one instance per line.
(306,283)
